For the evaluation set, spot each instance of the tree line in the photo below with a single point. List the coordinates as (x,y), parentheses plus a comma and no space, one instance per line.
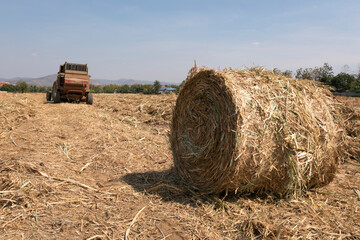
(23,87)
(135,88)
(342,82)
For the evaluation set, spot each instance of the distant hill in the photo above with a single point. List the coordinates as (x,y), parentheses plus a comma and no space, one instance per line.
(48,81)
(12,80)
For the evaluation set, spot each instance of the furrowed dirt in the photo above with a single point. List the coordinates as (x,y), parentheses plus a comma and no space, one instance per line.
(75,171)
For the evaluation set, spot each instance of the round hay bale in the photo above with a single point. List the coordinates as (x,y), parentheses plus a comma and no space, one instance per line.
(242,131)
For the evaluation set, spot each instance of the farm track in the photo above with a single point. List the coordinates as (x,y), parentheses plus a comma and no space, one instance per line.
(74,171)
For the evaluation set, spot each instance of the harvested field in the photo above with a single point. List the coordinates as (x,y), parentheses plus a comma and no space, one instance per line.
(74,171)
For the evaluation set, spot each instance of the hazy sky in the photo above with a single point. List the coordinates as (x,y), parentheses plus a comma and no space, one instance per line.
(150,40)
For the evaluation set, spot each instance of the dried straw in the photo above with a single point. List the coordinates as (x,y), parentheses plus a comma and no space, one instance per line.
(254,131)
(351,114)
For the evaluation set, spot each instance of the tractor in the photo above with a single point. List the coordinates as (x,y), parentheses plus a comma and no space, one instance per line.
(72,84)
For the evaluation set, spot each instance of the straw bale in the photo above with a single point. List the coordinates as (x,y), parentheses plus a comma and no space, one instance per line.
(351,114)
(252,131)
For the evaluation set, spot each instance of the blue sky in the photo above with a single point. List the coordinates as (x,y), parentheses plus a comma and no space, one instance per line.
(159,40)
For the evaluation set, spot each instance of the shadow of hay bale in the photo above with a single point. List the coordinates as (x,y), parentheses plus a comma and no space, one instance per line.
(170,188)
(162,183)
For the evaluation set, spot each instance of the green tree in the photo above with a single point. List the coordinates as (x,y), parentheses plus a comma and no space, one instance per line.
(96,88)
(343,81)
(136,88)
(41,89)
(124,89)
(157,86)
(110,88)
(323,74)
(148,89)
(8,88)
(286,73)
(304,73)
(21,86)
(33,88)
(355,86)
(277,71)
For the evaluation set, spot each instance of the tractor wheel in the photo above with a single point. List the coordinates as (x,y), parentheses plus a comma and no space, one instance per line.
(48,96)
(56,97)
(89,99)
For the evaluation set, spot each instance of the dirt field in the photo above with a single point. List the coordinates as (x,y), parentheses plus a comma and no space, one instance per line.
(74,171)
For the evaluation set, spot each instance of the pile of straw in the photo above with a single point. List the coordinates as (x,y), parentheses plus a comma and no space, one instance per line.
(252,131)
(352,127)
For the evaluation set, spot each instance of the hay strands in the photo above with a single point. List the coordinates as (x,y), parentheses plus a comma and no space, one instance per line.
(14,191)
(126,236)
(13,142)
(63,148)
(68,180)
(14,219)
(95,237)
(161,186)
(85,166)
(357,191)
